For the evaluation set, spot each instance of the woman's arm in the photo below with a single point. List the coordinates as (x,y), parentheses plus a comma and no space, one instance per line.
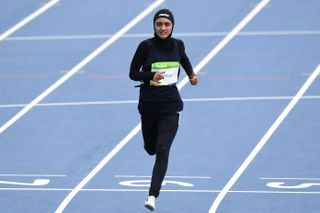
(137,61)
(186,64)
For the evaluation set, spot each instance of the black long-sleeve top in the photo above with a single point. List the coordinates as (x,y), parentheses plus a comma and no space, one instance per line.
(141,55)
(163,98)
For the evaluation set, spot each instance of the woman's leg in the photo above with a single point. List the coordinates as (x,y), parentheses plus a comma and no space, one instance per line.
(149,126)
(167,129)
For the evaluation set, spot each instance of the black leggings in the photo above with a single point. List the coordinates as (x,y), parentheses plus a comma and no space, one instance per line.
(158,132)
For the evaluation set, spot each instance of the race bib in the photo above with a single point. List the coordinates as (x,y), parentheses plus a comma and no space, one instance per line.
(171,69)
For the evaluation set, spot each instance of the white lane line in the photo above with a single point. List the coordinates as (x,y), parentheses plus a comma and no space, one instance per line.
(31,175)
(124,141)
(101,164)
(80,65)
(72,104)
(226,40)
(26,20)
(266,98)
(289,178)
(145,35)
(88,103)
(264,140)
(164,190)
(136,129)
(167,176)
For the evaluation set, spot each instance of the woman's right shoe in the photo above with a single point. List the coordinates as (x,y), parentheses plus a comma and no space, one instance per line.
(150,203)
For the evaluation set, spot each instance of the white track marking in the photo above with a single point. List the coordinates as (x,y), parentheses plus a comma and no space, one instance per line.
(72,104)
(29,18)
(31,175)
(282,185)
(101,164)
(124,141)
(88,103)
(146,183)
(80,65)
(36,182)
(167,176)
(264,139)
(226,40)
(266,98)
(290,178)
(164,190)
(145,35)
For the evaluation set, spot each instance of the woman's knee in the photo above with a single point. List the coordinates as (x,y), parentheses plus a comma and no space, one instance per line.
(150,149)
(163,152)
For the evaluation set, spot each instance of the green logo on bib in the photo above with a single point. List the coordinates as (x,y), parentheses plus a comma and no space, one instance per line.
(164,65)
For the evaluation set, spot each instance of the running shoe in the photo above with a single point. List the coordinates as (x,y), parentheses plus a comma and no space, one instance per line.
(150,203)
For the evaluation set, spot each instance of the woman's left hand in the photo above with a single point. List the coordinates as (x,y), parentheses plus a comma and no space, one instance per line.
(193,80)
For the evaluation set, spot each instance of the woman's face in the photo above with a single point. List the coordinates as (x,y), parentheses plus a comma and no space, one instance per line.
(163,27)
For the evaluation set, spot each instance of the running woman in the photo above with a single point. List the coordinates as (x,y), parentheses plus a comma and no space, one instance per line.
(156,63)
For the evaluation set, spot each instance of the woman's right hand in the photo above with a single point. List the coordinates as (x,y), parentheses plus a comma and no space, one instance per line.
(158,76)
